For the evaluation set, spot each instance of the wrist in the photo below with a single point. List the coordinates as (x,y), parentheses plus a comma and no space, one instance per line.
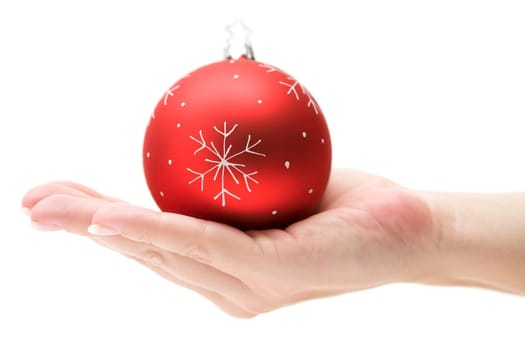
(479,241)
(435,261)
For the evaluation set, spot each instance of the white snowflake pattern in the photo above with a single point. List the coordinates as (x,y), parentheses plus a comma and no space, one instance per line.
(169,93)
(294,86)
(224,164)
(269,68)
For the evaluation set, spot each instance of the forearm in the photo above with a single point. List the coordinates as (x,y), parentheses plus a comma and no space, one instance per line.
(481,240)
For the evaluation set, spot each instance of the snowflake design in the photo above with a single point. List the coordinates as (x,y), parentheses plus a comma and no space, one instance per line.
(269,68)
(294,86)
(169,93)
(224,164)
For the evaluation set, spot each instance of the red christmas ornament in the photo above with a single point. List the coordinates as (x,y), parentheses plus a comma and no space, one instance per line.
(239,142)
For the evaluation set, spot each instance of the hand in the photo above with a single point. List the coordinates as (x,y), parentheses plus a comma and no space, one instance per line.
(368,232)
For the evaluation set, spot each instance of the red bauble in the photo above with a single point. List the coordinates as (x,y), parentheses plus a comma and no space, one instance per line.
(239,142)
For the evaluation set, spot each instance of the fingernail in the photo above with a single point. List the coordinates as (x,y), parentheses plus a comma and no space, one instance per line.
(100,230)
(40,226)
(25,211)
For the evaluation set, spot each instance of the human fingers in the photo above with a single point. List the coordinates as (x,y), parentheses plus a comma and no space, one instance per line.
(84,189)
(225,248)
(189,272)
(72,213)
(36,194)
(221,302)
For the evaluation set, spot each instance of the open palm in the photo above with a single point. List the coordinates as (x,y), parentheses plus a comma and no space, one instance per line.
(368,231)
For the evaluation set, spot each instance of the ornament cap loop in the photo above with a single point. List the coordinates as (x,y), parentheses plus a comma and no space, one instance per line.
(236,26)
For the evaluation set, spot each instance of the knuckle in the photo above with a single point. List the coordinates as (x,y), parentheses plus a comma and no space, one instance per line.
(143,237)
(198,248)
(198,252)
(55,203)
(153,258)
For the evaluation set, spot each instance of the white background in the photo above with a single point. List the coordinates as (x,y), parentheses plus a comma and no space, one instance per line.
(428,93)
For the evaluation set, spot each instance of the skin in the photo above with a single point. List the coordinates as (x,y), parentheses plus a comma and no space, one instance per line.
(368,232)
